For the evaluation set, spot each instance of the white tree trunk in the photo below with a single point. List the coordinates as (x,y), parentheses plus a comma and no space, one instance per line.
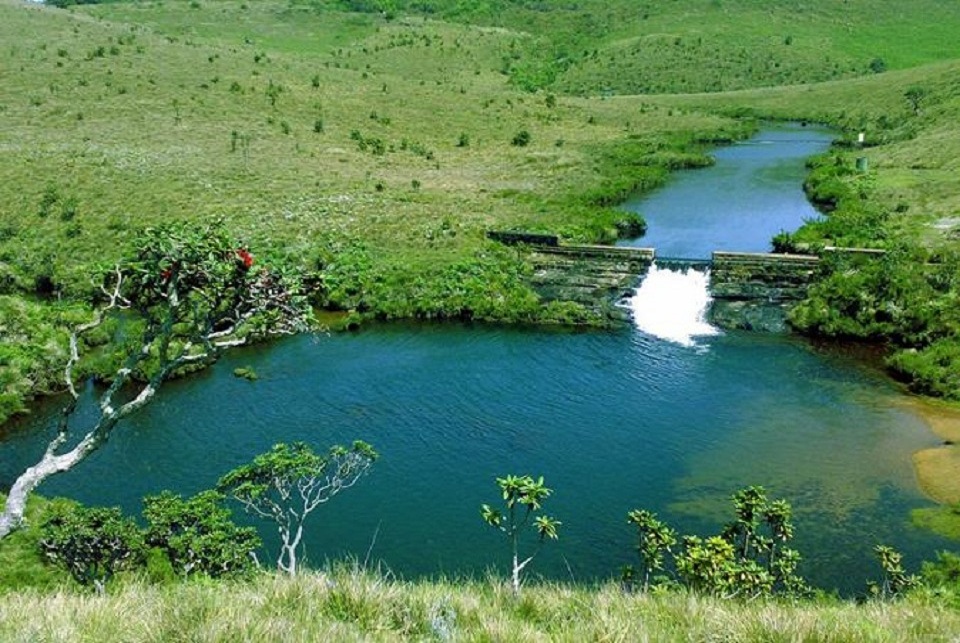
(49,465)
(53,463)
(287,561)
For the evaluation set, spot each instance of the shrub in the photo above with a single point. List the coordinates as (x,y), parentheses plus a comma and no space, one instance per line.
(521,138)
(198,534)
(932,370)
(92,543)
(749,558)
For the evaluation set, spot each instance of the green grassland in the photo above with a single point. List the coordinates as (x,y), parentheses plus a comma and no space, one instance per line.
(118,126)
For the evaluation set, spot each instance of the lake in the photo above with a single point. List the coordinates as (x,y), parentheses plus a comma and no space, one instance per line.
(614,420)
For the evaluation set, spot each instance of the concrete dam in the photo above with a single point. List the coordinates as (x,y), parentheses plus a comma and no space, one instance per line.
(751,291)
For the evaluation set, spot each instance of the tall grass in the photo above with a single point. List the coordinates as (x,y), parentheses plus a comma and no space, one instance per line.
(347,604)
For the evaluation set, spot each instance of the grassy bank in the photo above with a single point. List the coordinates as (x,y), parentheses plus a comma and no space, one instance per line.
(350,605)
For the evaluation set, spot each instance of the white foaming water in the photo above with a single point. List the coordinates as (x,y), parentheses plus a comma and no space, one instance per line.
(672,305)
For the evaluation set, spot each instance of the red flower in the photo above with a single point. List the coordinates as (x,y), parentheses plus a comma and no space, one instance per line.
(166,274)
(245,257)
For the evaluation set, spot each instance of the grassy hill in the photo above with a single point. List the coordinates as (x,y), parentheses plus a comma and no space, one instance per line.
(312,127)
(403,137)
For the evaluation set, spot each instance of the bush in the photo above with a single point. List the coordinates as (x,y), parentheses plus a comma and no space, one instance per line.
(199,535)
(932,370)
(521,139)
(92,543)
(749,558)
(22,564)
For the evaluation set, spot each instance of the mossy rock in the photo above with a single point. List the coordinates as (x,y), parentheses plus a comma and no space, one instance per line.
(246,372)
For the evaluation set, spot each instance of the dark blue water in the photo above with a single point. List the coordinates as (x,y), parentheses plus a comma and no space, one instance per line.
(754,191)
(613,420)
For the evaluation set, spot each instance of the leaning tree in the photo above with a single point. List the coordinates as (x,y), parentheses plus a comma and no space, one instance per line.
(187,293)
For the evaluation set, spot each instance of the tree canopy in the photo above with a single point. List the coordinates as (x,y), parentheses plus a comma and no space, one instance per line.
(188,293)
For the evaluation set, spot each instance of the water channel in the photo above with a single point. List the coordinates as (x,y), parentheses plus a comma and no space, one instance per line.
(614,420)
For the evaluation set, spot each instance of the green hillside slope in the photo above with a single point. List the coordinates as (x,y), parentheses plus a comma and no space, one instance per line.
(623,46)
(372,143)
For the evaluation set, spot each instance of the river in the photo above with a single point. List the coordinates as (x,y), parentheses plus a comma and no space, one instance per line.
(614,420)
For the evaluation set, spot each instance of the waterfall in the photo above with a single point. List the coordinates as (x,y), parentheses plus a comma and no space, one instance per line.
(672,305)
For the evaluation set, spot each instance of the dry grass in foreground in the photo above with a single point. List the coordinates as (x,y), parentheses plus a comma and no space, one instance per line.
(347,605)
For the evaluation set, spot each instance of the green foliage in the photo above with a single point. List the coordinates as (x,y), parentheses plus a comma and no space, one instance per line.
(246,373)
(654,540)
(288,482)
(907,296)
(198,535)
(638,165)
(895,582)
(749,558)
(521,138)
(931,370)
(943,574)
(33,349)
(827,183)
(523,497)
(490,286)
(92,543)
(199,279)
(916,95)
(22,565)
(785,242)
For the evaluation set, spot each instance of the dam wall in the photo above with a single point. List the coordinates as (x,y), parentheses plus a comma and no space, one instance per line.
(755,291)
(595,276)
(750,290)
